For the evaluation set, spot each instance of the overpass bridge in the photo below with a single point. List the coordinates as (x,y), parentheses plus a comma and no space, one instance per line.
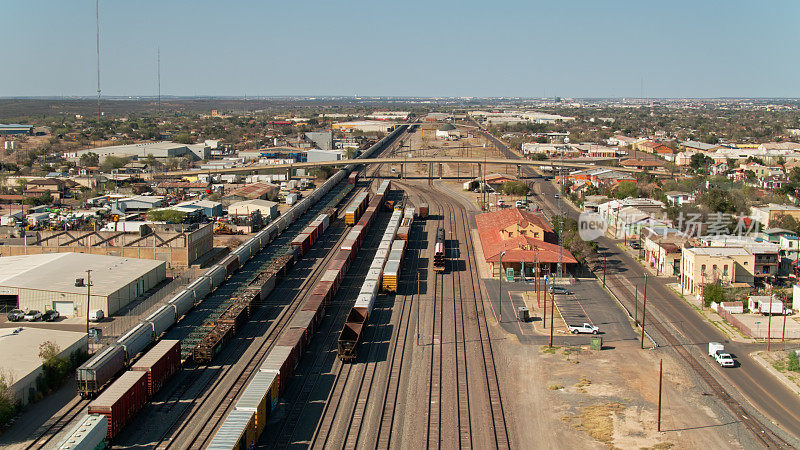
(401,162)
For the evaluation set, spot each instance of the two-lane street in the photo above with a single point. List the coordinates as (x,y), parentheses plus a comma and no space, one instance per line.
(749,379)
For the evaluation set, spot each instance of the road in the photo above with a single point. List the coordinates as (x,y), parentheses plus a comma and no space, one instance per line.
(749,379)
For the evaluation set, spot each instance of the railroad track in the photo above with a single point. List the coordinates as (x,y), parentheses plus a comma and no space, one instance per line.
(77,407)
(763,435)
(348,289)
(242,374)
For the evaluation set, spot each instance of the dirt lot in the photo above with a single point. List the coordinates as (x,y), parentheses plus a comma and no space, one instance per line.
(572,397)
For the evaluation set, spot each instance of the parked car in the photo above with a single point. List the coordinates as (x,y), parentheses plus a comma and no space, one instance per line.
(520,203)
(15,315)
(50,315)
(635,245)
(585,328)
(556,290)
(96,315)
(556,196)
(33,315)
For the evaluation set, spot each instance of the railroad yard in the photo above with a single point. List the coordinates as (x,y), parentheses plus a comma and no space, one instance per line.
(370,321)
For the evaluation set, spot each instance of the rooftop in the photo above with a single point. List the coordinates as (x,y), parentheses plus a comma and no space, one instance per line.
(19,353)
(718,251)
(58,271)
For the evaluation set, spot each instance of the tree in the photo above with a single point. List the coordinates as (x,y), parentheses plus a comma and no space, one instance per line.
(183,138)
(713,293)
(700,161)
(514,188)
(166,215)
(112,162)
(626,189)
(55,367)
(8,405)
(325,172)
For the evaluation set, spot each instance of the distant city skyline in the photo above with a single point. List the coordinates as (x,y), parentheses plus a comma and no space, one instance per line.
(578,49)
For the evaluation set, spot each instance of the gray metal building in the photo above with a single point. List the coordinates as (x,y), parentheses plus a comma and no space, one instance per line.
(48,281)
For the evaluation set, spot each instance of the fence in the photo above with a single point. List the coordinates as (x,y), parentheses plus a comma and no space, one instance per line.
(775,331)
(139,308)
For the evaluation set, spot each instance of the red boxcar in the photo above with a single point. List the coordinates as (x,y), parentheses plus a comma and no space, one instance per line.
(302,242)
(121,401)
(160,363)
(293,337)
(352,178)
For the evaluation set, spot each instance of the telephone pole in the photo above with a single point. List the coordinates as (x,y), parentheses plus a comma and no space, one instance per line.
(552,313)
(97,29)
(644,307)
(660,378)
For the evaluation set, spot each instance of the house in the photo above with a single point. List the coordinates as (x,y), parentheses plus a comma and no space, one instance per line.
(207,208)
(731,266)
(184,187)
(624,216)
(677,198)
(600,177)
(768,215)
(526,238)
(254,191)
(718,168)
(789,245)
(447,131)
(772,182)
(136,204)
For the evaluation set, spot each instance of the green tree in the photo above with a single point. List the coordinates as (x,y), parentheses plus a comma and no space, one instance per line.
(112,162)
(166,215)
(325,172)
(713,292)
(183,138)
(626,189)
(55,367)
(514,188)
(8,405)
(700,161)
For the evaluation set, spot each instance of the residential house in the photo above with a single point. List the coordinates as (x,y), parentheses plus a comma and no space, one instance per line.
(789,254)
(677,198)
(268,209)
(622,216)
(766,255)
(642,163)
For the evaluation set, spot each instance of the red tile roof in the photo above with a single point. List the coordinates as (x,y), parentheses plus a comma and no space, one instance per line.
(516,248)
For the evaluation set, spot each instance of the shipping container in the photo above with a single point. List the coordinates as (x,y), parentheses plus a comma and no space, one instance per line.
(101,368)
(121,401)
(160,363)
(390,276)
(423,211)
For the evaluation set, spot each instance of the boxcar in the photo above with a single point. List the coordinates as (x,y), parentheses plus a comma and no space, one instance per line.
(160,363)
(89,434)
(136,340)
(121,401)
(99,370)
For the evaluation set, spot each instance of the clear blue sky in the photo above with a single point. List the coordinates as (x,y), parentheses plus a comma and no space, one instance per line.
(697,48)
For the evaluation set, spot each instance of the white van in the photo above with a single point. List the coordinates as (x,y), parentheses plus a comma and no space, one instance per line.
(96,315)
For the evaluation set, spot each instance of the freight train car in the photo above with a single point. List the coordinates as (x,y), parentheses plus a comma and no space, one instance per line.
(101,368)
(121,401)
(439,257)
(89,434)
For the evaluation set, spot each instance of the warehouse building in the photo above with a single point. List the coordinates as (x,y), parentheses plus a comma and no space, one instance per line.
(323,155)
(160,150)
(15,128)
(267,208)
(19,356)
(49,281)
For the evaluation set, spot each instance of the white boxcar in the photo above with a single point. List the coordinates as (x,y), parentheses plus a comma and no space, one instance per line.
(216,274)
(200,287)
(136,339)
(161,319)
(234,433)
(183,301)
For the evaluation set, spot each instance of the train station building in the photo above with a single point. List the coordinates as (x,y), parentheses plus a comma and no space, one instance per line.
(526,238)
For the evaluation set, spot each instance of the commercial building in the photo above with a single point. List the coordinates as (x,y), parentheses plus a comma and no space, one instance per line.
(766,254)
(136,204)
(20,361)
(207,208)
(768,215)
(180,245)
(366,126)
(526,238)
(322,139)
(48,281)
(268,209)
(15,128)
(313,155)
(662,250)
(253,191)
(160,150)
(730,266)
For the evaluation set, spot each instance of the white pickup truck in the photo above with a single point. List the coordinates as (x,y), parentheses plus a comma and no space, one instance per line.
(585,328)
(723,358)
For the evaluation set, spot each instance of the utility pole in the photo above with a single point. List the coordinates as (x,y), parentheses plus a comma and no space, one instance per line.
(604,269)
(769,323)
(500,293)
(644,307)
(88,298)
(97,29)
(636,305)
(552,313)
(159,79)
(660,377)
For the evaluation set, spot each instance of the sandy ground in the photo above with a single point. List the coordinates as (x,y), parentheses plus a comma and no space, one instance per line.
(573,397)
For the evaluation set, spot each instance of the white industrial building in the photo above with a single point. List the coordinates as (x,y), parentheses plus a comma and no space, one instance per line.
(19,355)
(313,155)
(48,281)
(267,208)
(161,150)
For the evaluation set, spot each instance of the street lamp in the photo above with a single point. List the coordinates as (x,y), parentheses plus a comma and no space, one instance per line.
(500,294)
